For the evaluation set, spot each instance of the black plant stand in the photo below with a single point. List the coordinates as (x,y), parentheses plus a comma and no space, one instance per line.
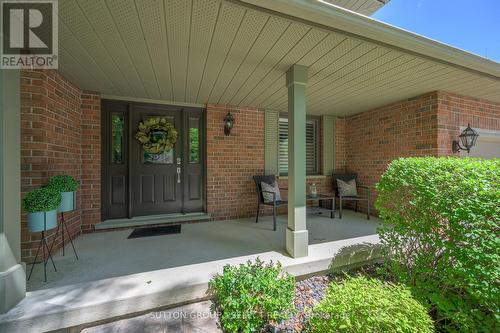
(43,244)
(64,228)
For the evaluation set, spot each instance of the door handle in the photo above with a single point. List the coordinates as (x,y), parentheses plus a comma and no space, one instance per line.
(178,175)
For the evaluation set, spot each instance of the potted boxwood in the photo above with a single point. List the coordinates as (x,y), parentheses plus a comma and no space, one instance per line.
(41,205)
(67,185)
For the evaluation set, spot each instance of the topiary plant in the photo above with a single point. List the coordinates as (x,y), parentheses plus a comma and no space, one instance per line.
(248,296)
(42,199)
(63,183)
(368,305)
(441,218)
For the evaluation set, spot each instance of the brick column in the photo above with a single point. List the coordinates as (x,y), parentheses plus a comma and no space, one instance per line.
(91,160)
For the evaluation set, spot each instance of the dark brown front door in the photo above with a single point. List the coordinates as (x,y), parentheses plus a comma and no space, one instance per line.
(156,178)
(137,183)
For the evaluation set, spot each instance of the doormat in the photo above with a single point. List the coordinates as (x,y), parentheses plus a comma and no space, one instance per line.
(155,231)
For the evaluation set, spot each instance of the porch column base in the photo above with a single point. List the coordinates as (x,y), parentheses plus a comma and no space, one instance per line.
(12,287)
(297,243)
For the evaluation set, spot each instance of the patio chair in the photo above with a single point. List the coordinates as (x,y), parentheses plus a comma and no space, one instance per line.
(342,198)
(275,203)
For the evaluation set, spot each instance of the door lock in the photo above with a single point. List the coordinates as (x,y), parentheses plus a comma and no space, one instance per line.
(178,175)
(178,161)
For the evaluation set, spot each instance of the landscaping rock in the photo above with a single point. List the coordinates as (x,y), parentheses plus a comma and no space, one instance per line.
(308,293)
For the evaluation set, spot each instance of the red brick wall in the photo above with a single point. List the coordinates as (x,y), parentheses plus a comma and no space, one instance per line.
(456,111)
(52,138)
(91,159)
(424,125)
(376,137)
(233,160)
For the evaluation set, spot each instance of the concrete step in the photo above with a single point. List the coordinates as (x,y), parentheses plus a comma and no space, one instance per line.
(141,221)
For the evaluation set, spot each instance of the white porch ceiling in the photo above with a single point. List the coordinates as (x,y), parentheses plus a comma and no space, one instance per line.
(223,51)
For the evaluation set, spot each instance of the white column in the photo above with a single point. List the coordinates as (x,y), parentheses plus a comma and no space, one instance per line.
(296,233)
(12,271)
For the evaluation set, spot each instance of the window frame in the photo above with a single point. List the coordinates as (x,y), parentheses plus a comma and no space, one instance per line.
(316,120)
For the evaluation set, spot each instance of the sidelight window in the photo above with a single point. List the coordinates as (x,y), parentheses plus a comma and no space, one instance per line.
(194,140)
(117,133)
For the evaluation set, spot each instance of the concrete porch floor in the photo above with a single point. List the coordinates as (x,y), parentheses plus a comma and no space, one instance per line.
(118,277)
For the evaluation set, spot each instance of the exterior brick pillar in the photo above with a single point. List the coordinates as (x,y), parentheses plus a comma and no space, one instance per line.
(91,160)
(297,241)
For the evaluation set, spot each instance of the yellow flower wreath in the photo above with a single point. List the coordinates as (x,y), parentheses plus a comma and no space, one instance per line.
(151,143)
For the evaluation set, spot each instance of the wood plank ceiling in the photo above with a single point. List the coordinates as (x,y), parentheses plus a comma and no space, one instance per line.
(218,51)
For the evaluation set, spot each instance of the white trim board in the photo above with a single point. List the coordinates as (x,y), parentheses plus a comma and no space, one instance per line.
(152,101)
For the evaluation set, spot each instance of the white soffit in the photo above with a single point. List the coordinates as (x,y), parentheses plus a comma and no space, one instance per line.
(220,51)
(364,7)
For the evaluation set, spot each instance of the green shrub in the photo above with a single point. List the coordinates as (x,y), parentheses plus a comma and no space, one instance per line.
(63,183)
(248,296)
(441,218)
(42,199)
(368,305)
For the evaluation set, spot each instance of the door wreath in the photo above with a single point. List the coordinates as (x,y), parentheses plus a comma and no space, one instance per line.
(156,135)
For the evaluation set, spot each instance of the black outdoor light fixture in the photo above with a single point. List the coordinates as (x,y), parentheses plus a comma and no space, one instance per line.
(468,139)
(228,123)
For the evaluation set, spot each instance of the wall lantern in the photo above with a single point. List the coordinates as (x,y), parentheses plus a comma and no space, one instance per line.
(468,139)
(228,123)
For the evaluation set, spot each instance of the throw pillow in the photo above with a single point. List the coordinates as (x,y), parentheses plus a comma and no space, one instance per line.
(268,197)
(347,189)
